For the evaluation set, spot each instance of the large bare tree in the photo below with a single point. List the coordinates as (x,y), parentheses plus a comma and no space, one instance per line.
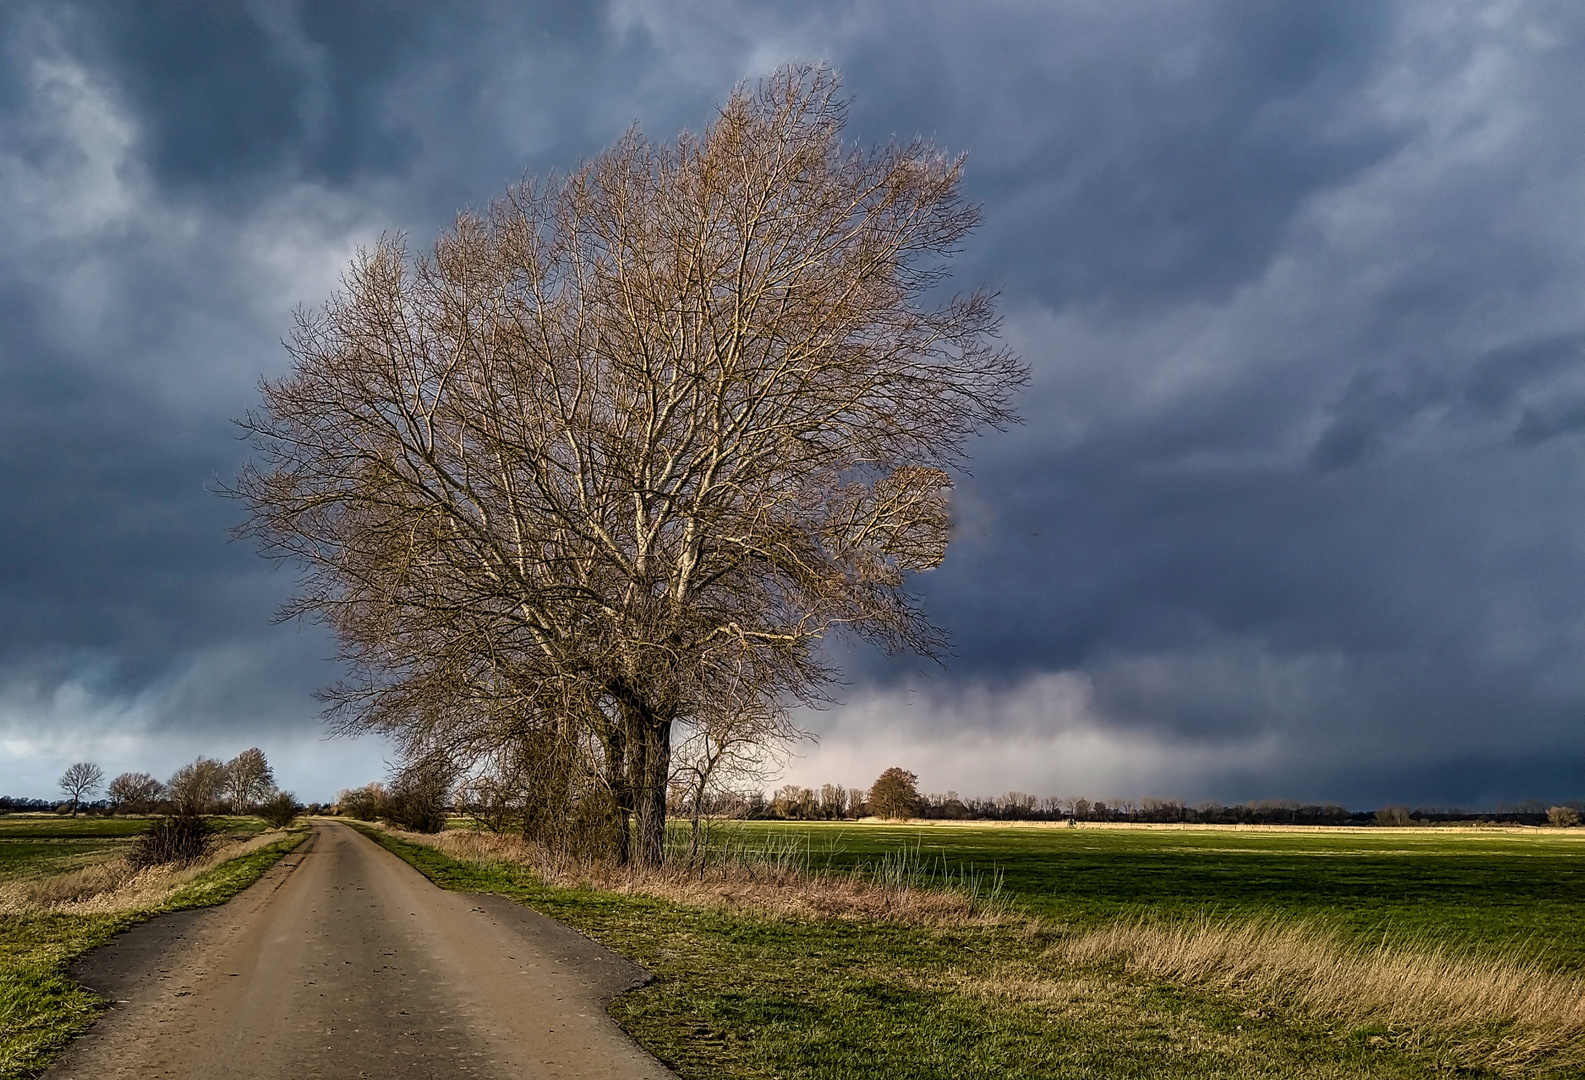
(634,434)
(193,789)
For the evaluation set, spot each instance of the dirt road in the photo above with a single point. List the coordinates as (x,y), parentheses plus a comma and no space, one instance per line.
(344,961)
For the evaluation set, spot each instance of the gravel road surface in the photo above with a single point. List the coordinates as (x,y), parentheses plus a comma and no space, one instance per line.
(343,961)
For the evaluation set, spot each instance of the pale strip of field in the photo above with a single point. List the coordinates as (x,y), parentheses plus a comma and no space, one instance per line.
(1486,829)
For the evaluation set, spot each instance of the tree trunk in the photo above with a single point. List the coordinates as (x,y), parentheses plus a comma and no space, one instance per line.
(613,737)
(649,790)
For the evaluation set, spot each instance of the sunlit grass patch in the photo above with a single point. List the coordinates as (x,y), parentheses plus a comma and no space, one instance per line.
(1501,1013)
(1491,890)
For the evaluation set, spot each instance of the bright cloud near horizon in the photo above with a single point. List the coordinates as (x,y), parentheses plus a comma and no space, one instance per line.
(1298,509)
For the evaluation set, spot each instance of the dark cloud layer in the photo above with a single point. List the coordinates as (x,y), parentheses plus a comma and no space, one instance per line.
(1296,511)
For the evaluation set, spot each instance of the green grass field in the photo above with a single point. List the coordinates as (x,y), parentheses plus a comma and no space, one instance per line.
(38,845)
(32,847)
(743,995)
(1489,889)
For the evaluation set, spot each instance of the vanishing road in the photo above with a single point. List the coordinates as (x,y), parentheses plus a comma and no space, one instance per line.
(343,961)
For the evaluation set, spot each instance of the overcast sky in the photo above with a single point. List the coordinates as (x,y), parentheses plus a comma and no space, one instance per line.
(1299,507)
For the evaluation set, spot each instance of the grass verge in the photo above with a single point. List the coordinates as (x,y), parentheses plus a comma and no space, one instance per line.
(800,996)
(41,1008)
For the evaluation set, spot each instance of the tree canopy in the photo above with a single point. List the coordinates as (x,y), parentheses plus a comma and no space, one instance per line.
(894,795)
(624,448)
(80,779)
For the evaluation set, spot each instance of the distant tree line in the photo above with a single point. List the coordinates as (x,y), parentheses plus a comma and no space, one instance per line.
(243,785)
(895,796)
(512,801)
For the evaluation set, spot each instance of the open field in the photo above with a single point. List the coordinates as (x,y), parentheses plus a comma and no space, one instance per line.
(1137,953)
(1489,889)
(51,913)
(38,845)
(35,845)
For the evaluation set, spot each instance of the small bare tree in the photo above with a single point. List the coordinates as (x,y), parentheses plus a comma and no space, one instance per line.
(134,793)
(280,809)
(629,436)
(417,797)
(361,804)
(79,780)
(249,779)
(739,737)
(713,760)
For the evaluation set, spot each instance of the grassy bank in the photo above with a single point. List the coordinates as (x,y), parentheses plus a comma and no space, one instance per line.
(743,992)
(41,1009)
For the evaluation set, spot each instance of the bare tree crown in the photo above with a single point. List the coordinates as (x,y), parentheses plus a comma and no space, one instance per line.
(248,779)
(80,779)
(635,435)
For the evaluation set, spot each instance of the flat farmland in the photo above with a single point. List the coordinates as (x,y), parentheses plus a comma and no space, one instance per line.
(36,845)
(43,845)
(1112,953)
(1493,889)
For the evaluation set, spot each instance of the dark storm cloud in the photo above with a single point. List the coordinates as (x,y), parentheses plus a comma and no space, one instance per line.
(1296,509)
(234,94)
(1137,153)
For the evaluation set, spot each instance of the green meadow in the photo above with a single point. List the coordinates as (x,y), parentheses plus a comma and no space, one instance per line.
(1124,953)
(37,845)
(1483,888)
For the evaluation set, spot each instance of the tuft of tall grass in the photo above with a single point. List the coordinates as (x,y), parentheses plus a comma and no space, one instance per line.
(1503,1013)
(774,878)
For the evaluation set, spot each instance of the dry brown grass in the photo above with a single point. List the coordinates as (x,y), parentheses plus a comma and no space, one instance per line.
(1503,1013)
(113,885)
(774,883)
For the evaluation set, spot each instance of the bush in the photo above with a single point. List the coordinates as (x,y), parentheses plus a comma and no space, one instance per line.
(361,804)
(183,838)
(279,809)
(1563,816)
(416,809)
(417,796)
